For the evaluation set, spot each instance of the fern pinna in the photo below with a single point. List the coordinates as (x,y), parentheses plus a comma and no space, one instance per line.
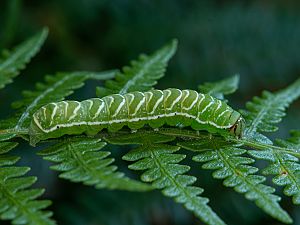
(162,126)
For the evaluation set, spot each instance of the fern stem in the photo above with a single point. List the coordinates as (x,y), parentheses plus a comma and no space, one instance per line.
(261,146)
(256,145)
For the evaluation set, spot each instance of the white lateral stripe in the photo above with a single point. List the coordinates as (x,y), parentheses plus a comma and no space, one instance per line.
(139,105)
(119,107)
(127,120)
(37,122)
(91,104)
(185,97)
(206,107)
(161,92)
(53,112)
(149,99)
(44,112)
(75,111)
(111,102)
(192,104)
(151,95)
(219,105)
(157,103)
(131,99)
(176,100)
(66,108)
(99,109)
(221,114)
(168,94)
(201,100)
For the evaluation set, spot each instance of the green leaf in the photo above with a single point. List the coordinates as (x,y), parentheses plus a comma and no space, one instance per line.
(55,88)
(223,87)
(6,160)
(234,168)
(18,203)
(14,61)
(7,146)
(164,172)
(6,136)
(266,111)
(284,165)
(262,115)
(80,160)
(142,75)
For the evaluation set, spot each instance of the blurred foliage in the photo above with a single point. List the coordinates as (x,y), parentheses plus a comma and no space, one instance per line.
(257,39)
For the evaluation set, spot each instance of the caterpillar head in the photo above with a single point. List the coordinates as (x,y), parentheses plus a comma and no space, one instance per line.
(238,127)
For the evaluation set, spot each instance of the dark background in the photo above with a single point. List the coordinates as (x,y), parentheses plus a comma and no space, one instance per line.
(260,40)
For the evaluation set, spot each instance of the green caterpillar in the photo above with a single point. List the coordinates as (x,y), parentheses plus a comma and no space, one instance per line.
(171,106)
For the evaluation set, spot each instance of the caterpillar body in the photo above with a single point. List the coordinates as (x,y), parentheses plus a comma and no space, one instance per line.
(171,106)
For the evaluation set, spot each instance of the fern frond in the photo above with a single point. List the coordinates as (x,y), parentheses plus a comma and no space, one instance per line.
(20,205)
(55,88)
(234,168)
(13,62)
(17,203)
(285,166)
(80,160)
(220,88)
(262,115)
(266,111)
(142,75)
(164,172)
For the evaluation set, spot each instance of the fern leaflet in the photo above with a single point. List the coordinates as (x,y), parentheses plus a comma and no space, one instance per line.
(264,112)
(165,172)
(56,88)
(284,165)
(223,87)
(142,74)
(234,168)
(14,61)
(16,202)
(5,136)
(80,160)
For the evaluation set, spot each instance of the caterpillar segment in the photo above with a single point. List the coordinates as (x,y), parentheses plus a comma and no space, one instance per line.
(172,106)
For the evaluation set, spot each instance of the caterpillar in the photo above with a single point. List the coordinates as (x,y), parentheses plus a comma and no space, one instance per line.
(172,106)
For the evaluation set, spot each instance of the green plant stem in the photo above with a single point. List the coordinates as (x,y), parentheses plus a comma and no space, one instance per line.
(261,146)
